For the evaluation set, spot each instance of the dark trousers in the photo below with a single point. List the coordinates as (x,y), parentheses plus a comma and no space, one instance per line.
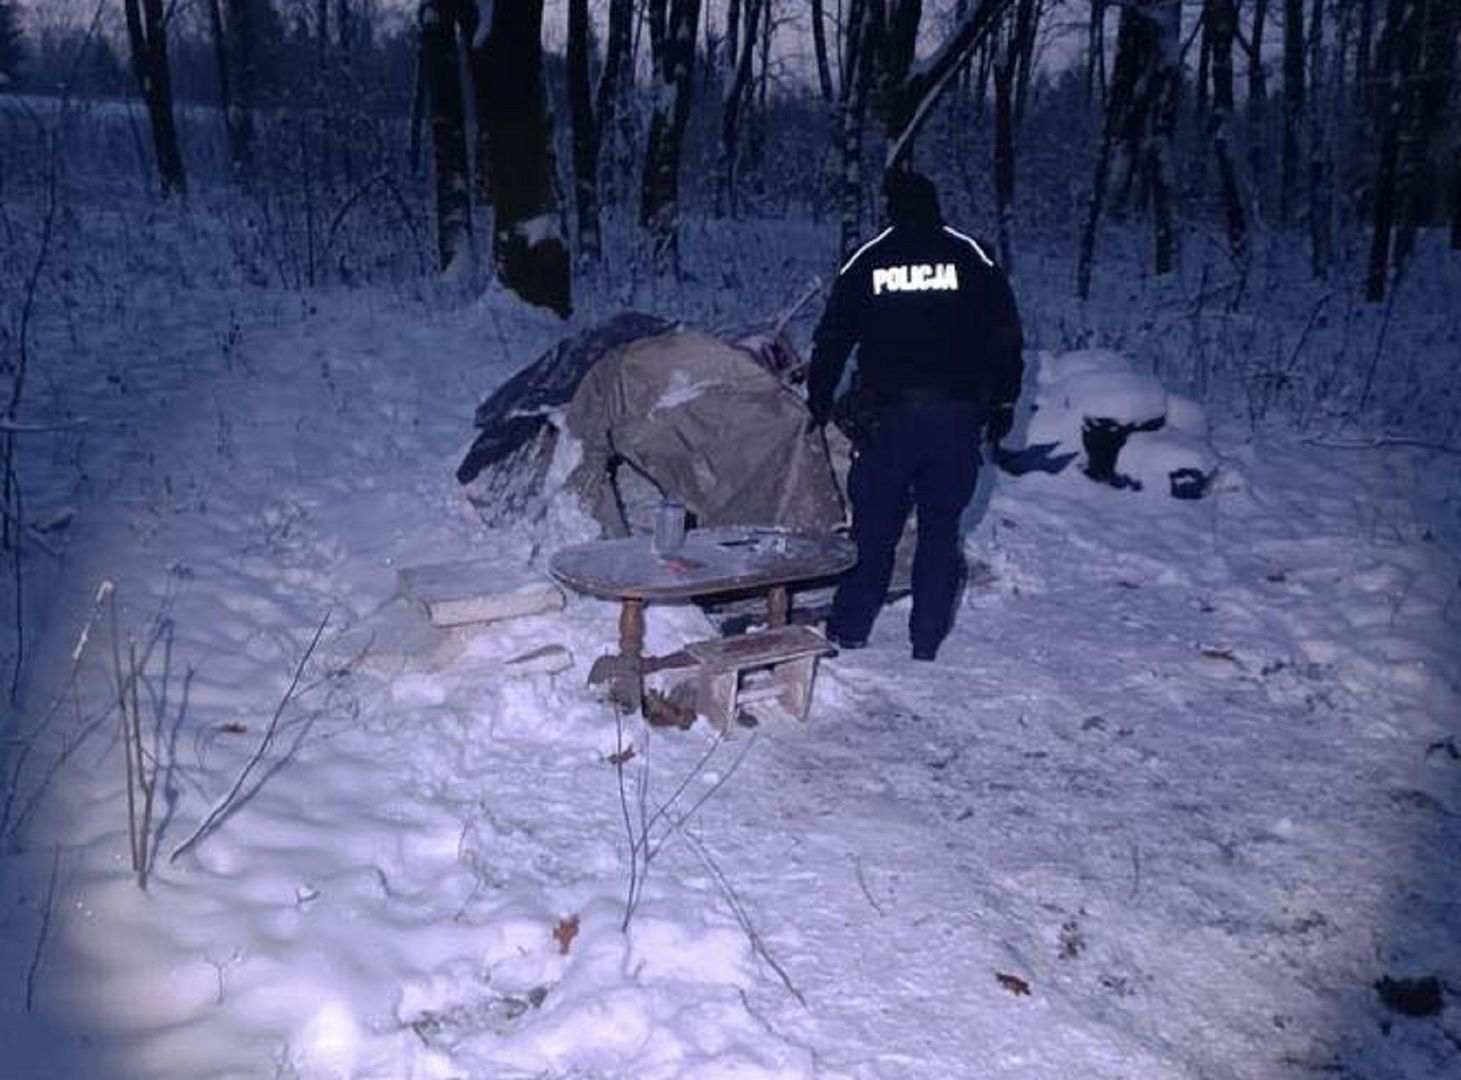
(923,455)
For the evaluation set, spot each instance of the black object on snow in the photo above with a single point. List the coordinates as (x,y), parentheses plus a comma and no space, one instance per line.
(1411,997)
(1103,439)
(1037,458)
(1188,483)
(513,416)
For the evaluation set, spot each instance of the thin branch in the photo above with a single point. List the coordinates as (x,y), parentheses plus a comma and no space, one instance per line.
(47,912)
(230,802)
(758,943)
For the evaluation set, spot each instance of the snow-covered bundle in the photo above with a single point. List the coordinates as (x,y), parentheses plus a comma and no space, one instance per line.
(1129,429)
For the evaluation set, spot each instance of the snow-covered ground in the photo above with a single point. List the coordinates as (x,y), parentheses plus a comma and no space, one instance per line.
(1184,784)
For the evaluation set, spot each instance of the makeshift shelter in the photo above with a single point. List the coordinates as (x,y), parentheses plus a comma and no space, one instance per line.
(656,410)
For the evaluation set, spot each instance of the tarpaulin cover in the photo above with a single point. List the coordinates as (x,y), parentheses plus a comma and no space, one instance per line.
(708,425)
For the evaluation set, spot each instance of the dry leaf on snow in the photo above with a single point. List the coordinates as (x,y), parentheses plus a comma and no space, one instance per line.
(1013,983)
(565,932)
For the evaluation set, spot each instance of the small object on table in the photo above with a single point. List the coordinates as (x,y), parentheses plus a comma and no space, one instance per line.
(669,527)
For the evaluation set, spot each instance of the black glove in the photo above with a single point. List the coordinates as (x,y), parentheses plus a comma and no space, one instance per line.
(1001,420)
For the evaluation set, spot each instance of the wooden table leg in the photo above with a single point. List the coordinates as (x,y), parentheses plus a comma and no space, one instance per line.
(778,606)
(631,654)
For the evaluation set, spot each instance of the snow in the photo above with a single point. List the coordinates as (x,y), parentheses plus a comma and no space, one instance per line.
(1182,785)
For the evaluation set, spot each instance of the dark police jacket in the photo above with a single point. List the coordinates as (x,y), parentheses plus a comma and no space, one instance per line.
(928,310)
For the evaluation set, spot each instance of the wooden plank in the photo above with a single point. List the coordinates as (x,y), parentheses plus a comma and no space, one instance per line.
(478,591)
(765,647)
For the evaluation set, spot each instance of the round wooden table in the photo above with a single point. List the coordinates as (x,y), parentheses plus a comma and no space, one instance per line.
(724,559)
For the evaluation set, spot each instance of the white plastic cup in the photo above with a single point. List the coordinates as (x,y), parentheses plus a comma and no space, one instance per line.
(669,527)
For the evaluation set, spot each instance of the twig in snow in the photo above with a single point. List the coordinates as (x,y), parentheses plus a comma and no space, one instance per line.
(230,802)
(862,884)
(1379,347)
(758,944)
(27,742)
(644,845)
(45,931)
(11,827)
(1135,870)
(141,775)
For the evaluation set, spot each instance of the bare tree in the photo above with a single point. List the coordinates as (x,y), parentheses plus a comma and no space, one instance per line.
(1456,199)
(1257,98)
(527,237)
(438,21)
(1293,103)
(672,42)
(1321,199)
(907,91)
(1399,50)
(819,46)
(147,37)
(857,51)
(591,118)
(1427,101)
(1140,111)
(1220,24)
(234,27)
(1096,54)
(737,91)
(1416,65)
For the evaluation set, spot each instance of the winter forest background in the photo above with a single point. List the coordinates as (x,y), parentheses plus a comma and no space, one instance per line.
(259,260)
(1174,179)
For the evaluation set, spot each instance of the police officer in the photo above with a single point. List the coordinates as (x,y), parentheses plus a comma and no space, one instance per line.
(939,359)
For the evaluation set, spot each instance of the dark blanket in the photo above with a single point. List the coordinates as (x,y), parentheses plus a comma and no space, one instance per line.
(512,417)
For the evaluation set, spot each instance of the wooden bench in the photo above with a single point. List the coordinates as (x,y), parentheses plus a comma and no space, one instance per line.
(790,652)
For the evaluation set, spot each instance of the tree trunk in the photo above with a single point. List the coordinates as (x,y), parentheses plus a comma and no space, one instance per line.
(1399,43)
(1004,152)
(1118,105)
(471,37)
(585,134)
(1220,26)
(908,93)
(1164,64)
(1364,56)
(593,118)
(1293,104)
(1027,25)
(732,32)
(242,20)
(1428,93)
(819,46)
(442,79)
(659,210)
(527,239)
(1096,55)
(1456,199)
(1257,102)
(147,36)
(322,32)
(730,117)
(856,84)
(615,82)
(1321,199)
(225,83)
